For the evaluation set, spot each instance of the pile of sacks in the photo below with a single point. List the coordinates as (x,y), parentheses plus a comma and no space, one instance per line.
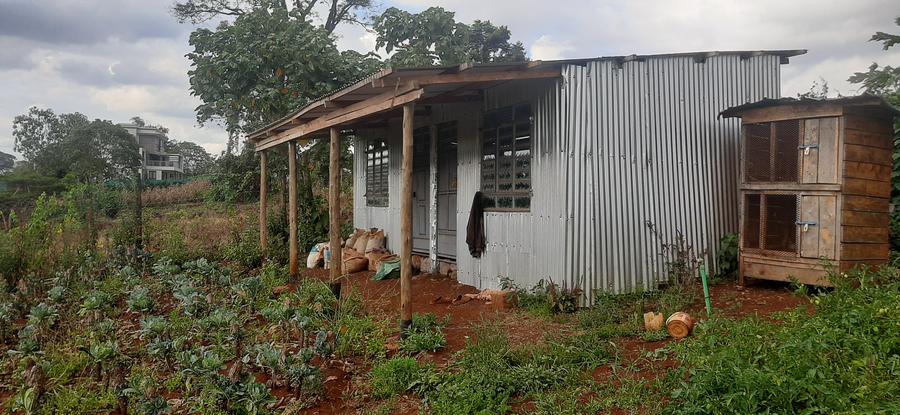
(363,250)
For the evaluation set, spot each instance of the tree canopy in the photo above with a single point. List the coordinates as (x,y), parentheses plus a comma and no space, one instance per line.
(434,37)
(266,63)
(196,160)
(882,80)
(73,145)
(336,11)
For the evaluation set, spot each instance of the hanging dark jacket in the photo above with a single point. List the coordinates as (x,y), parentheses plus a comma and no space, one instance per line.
(475,228)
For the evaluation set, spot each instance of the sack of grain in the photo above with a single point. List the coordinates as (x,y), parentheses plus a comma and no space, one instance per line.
(361,242)
(375,241)
(354,264)
(352,240)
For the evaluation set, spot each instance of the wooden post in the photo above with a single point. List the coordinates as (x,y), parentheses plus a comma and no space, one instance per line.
(292,207)
(406,189)
(263,205)
(334,204)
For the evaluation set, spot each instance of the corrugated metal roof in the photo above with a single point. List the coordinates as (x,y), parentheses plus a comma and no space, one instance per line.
(386,78)
(858,100)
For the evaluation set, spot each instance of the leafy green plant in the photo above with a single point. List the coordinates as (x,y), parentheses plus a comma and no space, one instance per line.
(425,334)
(394,376)
(727,257)
(140,300)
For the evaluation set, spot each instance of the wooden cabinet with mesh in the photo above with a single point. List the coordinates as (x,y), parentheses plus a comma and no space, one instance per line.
(815,186)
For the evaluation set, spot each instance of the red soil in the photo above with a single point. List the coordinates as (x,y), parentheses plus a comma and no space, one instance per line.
(758,297)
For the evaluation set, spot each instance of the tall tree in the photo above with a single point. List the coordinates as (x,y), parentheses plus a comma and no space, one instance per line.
(882,80)
(434,37)
(266,63)
(70,144)
(196,160)
(335,11)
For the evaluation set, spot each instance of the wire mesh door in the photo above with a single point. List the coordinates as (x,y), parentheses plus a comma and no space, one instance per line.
(770,223)
(771,152)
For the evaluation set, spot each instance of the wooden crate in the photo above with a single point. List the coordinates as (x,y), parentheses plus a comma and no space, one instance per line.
(833,158)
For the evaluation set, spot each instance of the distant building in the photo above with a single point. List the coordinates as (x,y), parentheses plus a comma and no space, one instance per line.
(157,163)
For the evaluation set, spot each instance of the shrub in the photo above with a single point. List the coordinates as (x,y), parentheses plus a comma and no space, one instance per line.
(727,257)
(394,377)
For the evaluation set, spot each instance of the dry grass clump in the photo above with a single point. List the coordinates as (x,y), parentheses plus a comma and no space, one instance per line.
(194,191)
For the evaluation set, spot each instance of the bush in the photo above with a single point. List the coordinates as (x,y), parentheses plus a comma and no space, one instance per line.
(841,359)
(727,257)
(394,377)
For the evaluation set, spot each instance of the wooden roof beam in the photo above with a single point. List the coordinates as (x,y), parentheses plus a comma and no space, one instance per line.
(353,112)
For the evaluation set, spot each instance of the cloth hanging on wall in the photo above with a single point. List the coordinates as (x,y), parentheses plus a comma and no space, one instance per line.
(475,229)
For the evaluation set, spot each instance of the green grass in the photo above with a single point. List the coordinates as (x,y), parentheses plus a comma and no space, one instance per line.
(393,377)
(845,358)
(425,334)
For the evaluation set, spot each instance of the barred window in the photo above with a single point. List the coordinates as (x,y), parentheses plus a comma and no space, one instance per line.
(377,173)
(506,158)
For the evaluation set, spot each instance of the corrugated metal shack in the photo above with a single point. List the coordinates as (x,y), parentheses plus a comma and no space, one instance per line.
(576,158)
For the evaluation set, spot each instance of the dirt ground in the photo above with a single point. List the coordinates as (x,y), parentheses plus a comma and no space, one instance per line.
(761,298)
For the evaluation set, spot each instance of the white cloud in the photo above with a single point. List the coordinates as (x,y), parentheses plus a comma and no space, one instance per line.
(53,60)
(546,48)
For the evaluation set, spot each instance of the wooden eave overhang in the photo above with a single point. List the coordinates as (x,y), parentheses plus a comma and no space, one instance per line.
(795,108)
(392,88)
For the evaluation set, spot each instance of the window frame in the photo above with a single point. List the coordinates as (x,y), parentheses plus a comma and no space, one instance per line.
(492,130)
(377,149)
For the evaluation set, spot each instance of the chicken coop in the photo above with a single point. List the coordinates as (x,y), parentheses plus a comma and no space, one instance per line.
(815,186)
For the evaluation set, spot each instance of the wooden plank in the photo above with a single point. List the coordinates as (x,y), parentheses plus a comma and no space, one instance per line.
(406,189)
(785,271)
(799,187)
(865,187)
(853,218)
(792,112)
(866,204)
(827,226)
(870,263)
(828,150)
(809,158)
(865,234)
(469,77)
(809,237)
(263,205)
(372,106)
(869,171)
(293,251)
(868,139)
(874,125)
(852,252)
(864,154)
(334,205)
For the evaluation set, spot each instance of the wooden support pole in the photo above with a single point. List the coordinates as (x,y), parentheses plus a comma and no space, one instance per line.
(406,189)
(292,207)
(334,205)
(263,205)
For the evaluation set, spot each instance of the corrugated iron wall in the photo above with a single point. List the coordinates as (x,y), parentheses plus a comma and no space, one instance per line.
(616,145)
(643,146)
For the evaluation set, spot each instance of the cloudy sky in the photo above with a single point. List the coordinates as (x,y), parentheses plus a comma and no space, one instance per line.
(114,59)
